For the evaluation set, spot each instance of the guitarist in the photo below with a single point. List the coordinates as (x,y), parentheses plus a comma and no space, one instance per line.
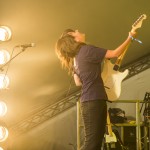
(83,61)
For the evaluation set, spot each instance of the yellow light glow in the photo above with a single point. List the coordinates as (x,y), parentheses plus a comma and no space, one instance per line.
(4,56)
(3,133)
(1,148)
(5,33)
(4,81)
(3,109)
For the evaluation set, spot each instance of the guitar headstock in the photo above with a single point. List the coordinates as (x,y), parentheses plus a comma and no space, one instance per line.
(138,23)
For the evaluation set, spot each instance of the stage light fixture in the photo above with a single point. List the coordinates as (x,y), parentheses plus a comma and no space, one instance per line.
(3,109)
(5,33)
(4,81)
(4,56)
(3,134)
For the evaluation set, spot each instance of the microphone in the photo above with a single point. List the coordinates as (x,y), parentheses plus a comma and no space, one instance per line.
(26,45)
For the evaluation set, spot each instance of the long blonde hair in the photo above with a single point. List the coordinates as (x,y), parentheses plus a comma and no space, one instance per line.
(66,49)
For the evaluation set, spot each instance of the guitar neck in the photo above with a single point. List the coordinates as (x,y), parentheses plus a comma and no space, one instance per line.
(109,125)
(119,59)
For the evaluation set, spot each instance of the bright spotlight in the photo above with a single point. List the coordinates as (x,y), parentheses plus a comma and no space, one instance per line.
(3,133)
(4,81)
(5,33)
(3,109)
(4,56)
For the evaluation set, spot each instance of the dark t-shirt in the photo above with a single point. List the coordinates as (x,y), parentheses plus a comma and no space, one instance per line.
(88,62)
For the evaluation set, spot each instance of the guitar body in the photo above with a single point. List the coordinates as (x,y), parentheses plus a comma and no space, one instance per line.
(110,138)
(112,80)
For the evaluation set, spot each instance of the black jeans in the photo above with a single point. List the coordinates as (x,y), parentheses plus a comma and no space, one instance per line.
(94,115)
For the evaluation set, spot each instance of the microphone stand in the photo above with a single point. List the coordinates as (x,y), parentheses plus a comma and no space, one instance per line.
(23,49)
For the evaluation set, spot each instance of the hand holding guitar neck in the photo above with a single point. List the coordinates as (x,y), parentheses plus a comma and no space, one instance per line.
(136,25)
(132,34)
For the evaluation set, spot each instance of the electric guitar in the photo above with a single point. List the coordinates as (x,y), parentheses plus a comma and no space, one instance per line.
(113,78)
(110,137)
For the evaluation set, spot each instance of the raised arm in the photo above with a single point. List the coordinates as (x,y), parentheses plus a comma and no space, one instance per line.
(120,49)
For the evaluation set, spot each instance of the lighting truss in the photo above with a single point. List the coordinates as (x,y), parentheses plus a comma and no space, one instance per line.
(138,66)
(45,114)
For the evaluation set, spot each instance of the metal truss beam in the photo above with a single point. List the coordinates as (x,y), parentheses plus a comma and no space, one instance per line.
(138,66)
(51,111)
(44,114)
